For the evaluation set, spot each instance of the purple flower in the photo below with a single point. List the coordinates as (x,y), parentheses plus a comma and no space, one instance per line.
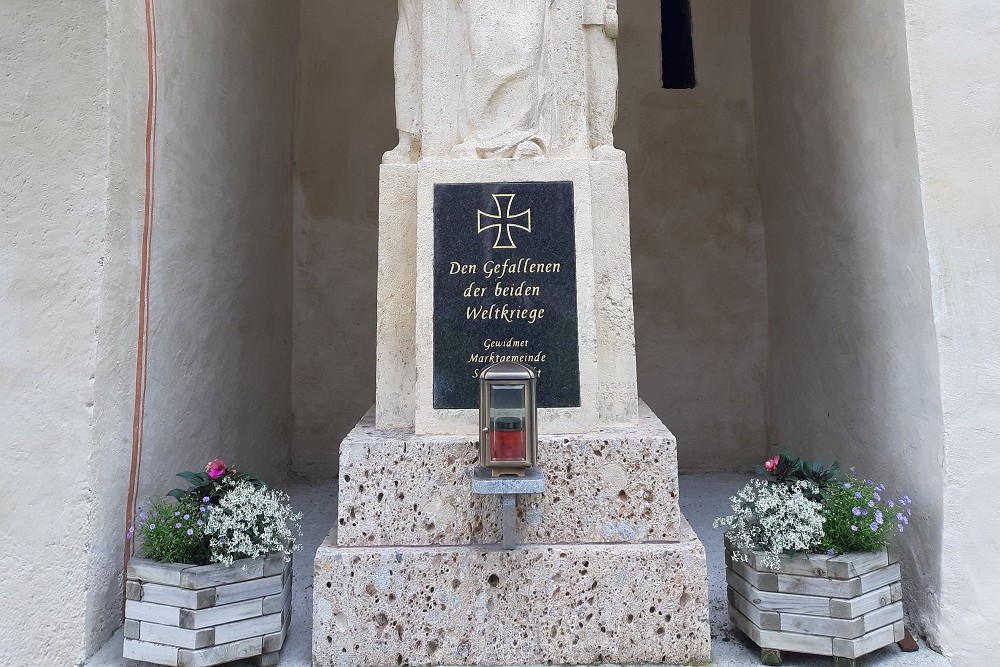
(857,494)
(891,504)
(873,526)
(200,522)
(856,511)
(131,532)
(899,516)
(177,525)
(864,512)
(878,517)
(847,485)
(854,529)
(878,497)
(177,513)
(830,552)
(900,528)
(202,509)
(906,521)
(187,516)
(152,526)
(906,500)
(142,516)
(190,531)
(205,499)
(871,503)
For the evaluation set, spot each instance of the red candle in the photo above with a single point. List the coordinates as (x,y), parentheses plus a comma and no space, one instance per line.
(508,440)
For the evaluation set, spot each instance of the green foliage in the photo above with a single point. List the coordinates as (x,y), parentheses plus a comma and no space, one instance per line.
(860,516)
(788,470)
(202,485)
(174,532)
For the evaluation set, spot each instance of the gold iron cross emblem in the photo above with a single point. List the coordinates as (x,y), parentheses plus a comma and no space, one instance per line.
(503,224)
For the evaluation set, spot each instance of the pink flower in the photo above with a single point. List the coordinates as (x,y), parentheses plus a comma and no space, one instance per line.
(771,464)
(216,468)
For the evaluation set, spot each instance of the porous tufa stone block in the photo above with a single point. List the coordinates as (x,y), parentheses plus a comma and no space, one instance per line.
(613,486)
(464,605)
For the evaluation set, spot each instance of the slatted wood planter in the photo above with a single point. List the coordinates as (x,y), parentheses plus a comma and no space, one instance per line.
(196,616)
(841,606)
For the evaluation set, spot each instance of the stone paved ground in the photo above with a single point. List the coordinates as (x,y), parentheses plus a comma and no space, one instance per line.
(703,497)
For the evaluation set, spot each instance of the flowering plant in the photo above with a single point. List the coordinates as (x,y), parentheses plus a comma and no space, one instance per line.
(251,521)
(775,519)
(804,506)
(210,482)
(224,516)
(175,532)
(861,517)
(788,470)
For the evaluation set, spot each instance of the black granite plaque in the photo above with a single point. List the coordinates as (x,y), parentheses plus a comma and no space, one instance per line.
(505,288)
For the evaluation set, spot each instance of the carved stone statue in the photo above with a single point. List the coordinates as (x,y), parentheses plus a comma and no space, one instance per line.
(505,79)
(600,28)
(407,63)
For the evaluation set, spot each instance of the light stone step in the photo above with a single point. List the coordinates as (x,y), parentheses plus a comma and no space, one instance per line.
(613,486)
(466,605)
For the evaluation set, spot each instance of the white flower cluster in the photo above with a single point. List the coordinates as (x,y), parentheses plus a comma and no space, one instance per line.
(250,522)
(773,519)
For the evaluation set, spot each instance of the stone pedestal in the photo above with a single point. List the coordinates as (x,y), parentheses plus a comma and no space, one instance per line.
(405,360)
(606,568)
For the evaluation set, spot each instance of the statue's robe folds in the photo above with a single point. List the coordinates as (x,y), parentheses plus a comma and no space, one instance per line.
(407,66)
(505,74)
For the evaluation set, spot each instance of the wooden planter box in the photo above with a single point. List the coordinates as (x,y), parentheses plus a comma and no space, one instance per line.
(841,606)
(195,616)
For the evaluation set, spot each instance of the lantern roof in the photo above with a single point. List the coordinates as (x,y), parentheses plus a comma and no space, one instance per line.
(508,370)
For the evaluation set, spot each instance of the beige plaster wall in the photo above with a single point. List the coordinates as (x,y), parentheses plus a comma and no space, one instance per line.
(114,382)
(72,123)
(954,55)
(58,389)
(697,238)
(853,370)
(345,119)
(220,287)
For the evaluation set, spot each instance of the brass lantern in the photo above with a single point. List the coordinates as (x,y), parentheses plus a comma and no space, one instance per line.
(508,435)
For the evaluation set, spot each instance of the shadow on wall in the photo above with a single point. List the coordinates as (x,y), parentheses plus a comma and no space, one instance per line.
(697,236)
(345,120)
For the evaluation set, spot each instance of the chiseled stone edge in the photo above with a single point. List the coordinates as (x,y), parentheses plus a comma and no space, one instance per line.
(463,605)
(611,486)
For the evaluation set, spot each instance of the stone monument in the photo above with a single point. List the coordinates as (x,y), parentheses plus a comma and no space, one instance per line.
(504,236)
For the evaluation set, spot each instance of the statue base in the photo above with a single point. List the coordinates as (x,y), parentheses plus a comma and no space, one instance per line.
(606,569)
(405,361)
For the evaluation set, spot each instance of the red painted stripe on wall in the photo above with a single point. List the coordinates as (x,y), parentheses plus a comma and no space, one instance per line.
(142,342)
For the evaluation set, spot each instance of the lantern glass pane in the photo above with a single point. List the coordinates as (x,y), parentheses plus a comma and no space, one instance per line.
(508,439)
